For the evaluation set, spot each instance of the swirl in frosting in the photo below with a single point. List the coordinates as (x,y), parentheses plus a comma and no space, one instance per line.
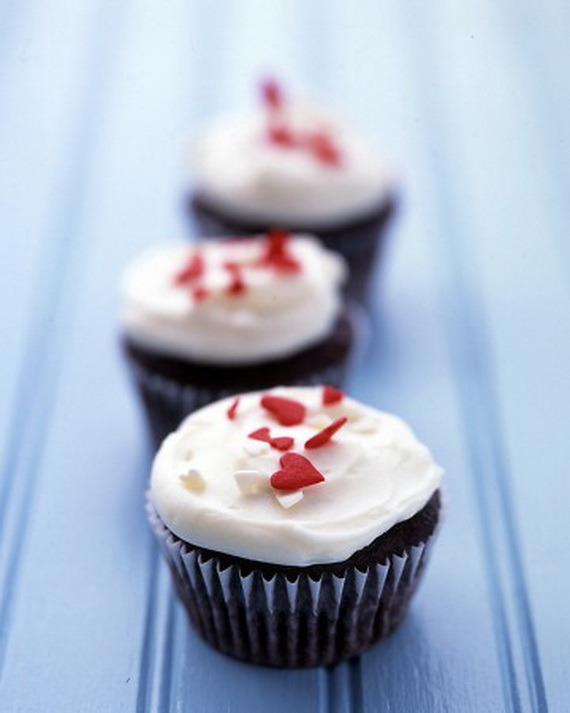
(295,476)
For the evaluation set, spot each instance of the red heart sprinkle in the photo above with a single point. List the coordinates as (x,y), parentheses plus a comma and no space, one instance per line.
(282,443)
(191,271)
(200,293)
(232,266)
(237,284)
(271,94)
(276,252)
(232,411)
(276,242)
(286,411)
(281,135)
(262,434)
(323,148)
(287,263)
(296,472)
(331,395)
(324,436)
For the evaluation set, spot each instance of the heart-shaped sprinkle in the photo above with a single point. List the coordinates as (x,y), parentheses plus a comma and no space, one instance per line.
(280,135)
(323,148)
(262,434)
(191,271)
(276,253)
(200,293)
(271,94)
(232,411)
(296,472)
(286,411)
(331,395)
(324,436)
(237,284)
(282,443)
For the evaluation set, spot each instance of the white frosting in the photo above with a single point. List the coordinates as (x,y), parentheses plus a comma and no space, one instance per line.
(279,313)
(376,475)
(237,168)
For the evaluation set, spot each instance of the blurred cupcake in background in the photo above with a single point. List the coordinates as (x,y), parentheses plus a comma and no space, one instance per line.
(291,165)
(205,321)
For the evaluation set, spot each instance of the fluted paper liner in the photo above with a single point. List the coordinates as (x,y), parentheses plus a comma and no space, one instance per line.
(285,621)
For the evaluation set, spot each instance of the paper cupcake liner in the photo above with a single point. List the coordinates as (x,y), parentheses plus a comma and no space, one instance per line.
(167,402)
(290,621)
(359,242)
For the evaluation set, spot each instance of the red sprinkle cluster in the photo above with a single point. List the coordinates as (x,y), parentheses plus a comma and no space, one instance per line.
(275,255)
(296,471)
(318,143)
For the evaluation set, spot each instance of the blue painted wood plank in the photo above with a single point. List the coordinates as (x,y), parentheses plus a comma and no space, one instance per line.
(518,306)
(40,81)
(99,569)
(450,352)
(437,661)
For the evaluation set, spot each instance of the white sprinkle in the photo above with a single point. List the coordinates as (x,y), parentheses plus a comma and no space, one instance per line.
(364,424)
(290,498)
(193,480)
(319,421)
(252,447)
(251,482)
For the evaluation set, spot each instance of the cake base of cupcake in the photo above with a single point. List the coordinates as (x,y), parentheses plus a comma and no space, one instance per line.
(360,241)
(300,617)
(171,388)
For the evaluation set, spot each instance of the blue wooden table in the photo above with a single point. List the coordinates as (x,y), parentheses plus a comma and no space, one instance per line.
(470,338)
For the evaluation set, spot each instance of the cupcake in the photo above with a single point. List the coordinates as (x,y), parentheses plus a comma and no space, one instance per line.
(291,165)
(202,322)
(296,523)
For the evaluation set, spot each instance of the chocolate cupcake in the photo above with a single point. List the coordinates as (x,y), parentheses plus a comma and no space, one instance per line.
(296,523)
(203,322)
(293,166)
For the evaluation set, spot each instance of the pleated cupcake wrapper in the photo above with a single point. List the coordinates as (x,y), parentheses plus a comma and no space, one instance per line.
(291,623)
(167,402)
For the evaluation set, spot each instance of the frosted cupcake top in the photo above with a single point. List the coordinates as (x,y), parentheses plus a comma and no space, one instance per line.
(293,476)
(233,302)
(289,162)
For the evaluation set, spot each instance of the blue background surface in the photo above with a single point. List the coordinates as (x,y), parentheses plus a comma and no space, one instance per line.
(471,338)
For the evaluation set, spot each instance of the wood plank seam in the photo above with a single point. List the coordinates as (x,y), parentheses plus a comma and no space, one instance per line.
(541,87)
(156,664)
(475,385)
(65,254)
